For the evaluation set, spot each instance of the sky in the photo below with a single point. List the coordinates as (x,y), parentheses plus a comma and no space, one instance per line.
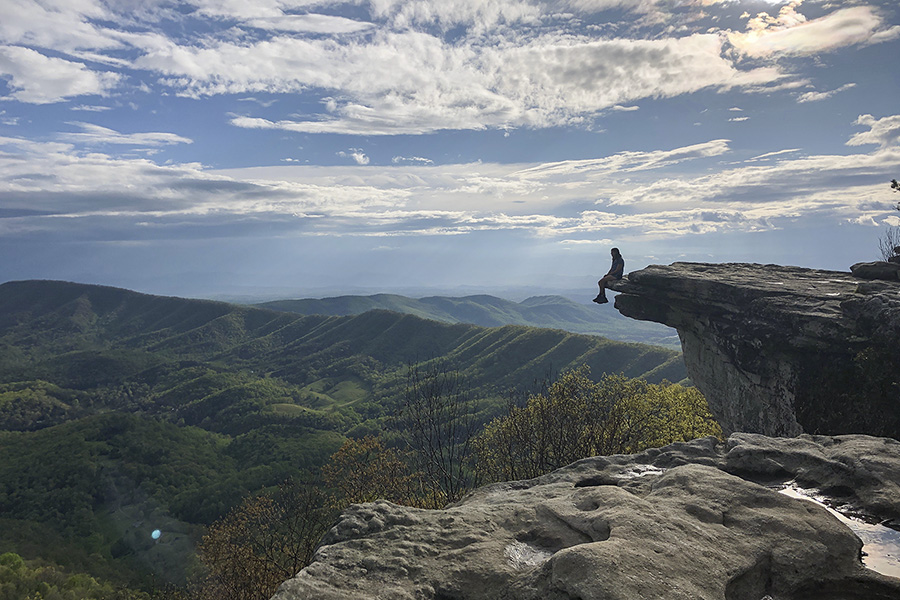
(303,148)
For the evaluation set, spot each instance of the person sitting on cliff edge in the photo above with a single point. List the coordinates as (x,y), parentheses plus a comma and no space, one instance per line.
(615,272)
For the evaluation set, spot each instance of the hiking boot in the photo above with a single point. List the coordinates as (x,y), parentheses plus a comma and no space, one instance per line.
(601,300)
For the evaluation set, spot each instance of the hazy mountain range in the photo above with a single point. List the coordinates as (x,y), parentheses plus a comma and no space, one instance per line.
(554,312)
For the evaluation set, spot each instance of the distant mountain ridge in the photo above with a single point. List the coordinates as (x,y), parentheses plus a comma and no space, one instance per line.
(138,352)
(553,312)
(61,317)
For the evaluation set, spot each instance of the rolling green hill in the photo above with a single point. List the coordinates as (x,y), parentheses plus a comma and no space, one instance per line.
(89,348)
(554,312)
(80,335)
(122,412)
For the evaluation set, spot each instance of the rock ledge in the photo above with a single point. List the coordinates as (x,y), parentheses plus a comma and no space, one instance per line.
(759,340)
(686,522)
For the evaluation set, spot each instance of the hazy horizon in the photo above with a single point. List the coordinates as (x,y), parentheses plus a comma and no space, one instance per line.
(211,149)
(260,294)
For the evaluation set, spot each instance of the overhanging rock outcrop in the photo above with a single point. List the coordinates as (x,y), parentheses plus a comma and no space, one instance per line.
(687,522)
(775,349)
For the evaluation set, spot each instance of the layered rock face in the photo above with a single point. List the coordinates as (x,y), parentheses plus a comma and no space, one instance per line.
(772,347)
(685,522)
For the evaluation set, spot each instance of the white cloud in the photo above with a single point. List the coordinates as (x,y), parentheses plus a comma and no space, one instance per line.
(478,14)
(309,23)
(602,242)
(884,132)
(512,68)
(625,162)
(773,154)
(819,96)
(635,194)
(91,134)
(91,108)
(414,83)
(64,26)
(56,177)
(738,119)
(411,160)
(38,79)
(824,184)
(263,103)
(656,7)
(247,9)
(791,33)
(517,63)
(6,120)
(358,156)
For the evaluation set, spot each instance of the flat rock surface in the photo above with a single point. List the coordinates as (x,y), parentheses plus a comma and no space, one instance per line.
(808,299)
(689,521)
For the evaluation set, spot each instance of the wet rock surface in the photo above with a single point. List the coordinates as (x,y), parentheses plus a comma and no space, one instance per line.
(689,521)
(769,346)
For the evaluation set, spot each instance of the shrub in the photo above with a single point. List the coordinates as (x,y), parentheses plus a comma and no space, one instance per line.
(439,421)
(577,417)
(365,471)
(261,543)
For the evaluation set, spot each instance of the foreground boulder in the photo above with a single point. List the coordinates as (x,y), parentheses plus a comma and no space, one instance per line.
(686,522)
(880,269)
(780,350)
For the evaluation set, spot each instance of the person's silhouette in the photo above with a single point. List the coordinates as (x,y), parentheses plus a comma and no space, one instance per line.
(615,272)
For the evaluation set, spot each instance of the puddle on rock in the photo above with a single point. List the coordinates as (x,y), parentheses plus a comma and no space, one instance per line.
(881,544)
(635,471)
(523,556)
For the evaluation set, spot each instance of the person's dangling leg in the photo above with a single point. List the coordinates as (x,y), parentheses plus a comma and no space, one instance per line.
(601,296)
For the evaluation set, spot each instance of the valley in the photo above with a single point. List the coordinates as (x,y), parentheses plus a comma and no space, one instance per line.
(122,413)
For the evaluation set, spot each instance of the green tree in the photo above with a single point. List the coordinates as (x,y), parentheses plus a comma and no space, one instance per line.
(439,421)
(365,471)
(21,580)
(261,543)
(890,239)
(577,417)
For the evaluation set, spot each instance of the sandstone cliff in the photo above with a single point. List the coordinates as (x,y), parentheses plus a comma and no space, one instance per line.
(685,522)
(780,350)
